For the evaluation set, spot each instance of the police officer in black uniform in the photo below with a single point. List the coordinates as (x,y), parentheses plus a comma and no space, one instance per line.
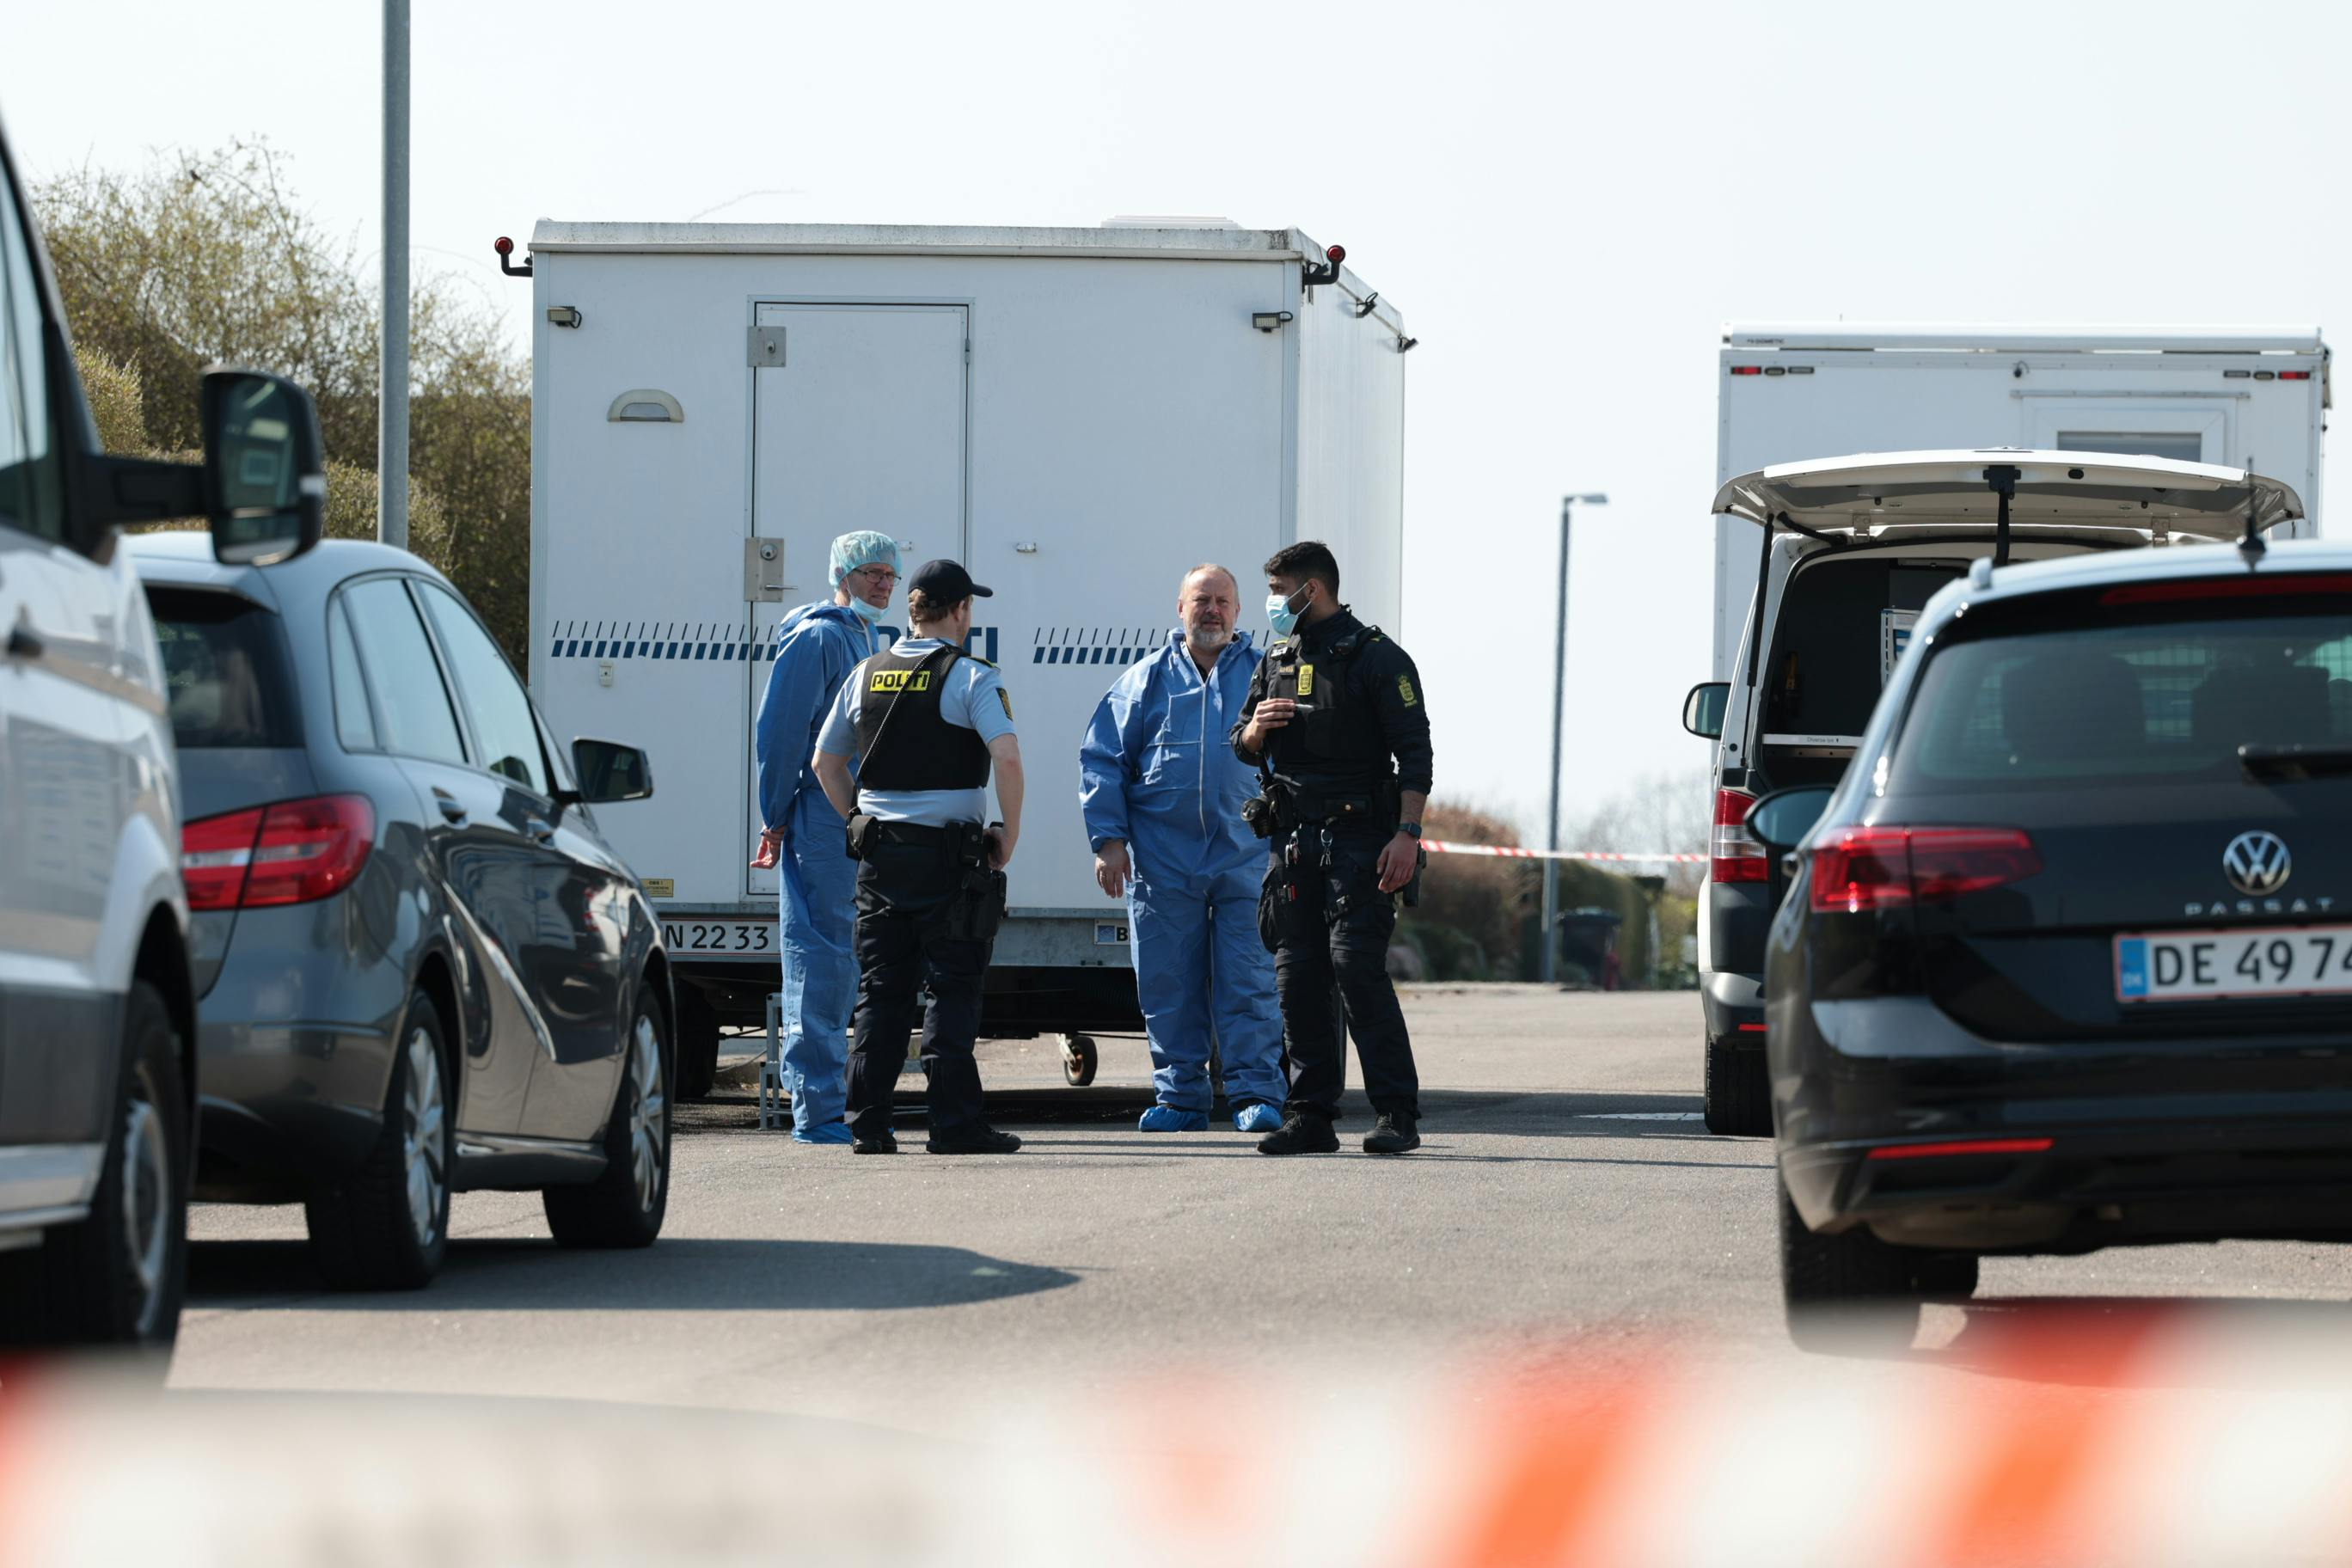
(925,720)
(1336,723)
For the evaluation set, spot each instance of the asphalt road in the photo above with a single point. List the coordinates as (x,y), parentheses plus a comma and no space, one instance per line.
(1566,1195)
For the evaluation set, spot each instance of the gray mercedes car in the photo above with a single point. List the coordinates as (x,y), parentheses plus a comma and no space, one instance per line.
(419,967)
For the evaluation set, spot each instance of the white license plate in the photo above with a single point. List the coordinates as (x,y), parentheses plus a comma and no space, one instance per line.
(2210,965)
(720,936)
(1110,933)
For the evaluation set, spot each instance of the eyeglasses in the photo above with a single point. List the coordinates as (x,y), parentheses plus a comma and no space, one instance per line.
(875,574)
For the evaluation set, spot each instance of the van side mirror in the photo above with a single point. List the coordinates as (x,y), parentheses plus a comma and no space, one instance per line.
(1704,708)
(608,771)
(265,467)
(1782,819)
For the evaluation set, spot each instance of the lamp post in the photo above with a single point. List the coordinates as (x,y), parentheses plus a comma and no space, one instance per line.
(1558,702)
(391,395)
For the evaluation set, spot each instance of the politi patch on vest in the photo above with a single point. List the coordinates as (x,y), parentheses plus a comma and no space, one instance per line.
(1006,697)
(900,680)
(1405,690)
(1307,680)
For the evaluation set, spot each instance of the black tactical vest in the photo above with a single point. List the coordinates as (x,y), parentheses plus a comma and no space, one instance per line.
(1338,737)
(903,741)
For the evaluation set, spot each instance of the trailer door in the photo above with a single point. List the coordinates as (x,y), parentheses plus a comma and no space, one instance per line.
(861,425)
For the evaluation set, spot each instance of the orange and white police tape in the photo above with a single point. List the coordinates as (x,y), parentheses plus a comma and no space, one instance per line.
(2095,1432)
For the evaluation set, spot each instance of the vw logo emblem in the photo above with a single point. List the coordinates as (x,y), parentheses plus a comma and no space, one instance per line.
(2257,863)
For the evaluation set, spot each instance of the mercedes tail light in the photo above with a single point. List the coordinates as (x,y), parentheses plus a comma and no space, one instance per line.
(295,852)
(1735,855)
(1860,869)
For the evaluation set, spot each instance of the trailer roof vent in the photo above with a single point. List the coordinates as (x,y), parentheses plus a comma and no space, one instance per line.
(645,405)
(1148,222)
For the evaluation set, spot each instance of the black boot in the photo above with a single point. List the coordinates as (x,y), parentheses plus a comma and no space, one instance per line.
(1302,1132)
(882,1143)
(1394,1135)
(972,1138)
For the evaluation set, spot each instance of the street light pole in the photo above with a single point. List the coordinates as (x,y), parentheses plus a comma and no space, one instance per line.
(392,396)
(1559,703)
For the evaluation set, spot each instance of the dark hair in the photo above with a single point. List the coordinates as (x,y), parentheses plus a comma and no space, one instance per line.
(929,608)
(1307,558)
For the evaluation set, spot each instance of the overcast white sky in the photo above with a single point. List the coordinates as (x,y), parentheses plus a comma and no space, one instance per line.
(1566,203)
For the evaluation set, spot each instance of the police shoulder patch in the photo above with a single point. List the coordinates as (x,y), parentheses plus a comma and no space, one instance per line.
(1405,690)
(1006,697)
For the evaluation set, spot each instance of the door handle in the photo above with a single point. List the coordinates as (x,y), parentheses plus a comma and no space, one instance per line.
(539,828)
(452,811)
(23,642)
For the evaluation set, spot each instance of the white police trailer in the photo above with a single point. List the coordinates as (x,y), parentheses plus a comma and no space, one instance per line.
(2247,397)
(1078,414)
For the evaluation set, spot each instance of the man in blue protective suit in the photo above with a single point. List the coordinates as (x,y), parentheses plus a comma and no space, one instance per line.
(1162,797)
(816,648)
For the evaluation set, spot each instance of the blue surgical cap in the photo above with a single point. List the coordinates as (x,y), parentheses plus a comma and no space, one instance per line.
(863,548)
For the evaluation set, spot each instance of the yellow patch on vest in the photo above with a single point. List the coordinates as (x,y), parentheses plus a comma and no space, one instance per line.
(1006,697)
(1405,690)
(900,680)
(1307,680)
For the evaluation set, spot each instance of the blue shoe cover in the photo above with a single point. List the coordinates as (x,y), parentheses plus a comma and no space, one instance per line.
(1168,1118)
(1258,1118)
(823,1132)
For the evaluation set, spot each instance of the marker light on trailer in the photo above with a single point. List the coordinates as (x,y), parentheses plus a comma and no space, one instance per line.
(1747,370)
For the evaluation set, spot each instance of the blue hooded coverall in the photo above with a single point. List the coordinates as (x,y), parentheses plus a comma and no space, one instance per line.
(816,648)
(1155,770)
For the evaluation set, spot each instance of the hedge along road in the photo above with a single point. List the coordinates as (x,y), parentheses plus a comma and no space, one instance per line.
(1566,1199)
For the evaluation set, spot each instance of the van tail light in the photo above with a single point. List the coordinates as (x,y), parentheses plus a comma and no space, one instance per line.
(295,852)
(1735,855)
(1860,869)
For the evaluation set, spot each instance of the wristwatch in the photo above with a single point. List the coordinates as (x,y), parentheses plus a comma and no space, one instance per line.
(1411,827)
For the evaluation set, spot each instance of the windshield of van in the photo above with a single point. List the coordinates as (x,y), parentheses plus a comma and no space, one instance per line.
(223,671)
(2121,706)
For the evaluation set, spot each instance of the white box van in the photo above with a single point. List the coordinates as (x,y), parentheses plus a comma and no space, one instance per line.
(2244,397)
(1076,415)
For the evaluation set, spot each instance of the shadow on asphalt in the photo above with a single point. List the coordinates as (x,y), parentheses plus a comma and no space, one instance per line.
(1510,1112)
(677,1273)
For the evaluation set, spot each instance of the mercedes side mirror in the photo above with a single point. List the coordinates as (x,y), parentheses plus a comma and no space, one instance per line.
(265,467)
(1782,819)
(609,772)
(1702,710)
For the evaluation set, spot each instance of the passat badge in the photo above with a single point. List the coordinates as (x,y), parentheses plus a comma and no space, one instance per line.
(2257,863)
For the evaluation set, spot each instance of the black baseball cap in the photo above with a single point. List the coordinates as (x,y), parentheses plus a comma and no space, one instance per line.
(946,580)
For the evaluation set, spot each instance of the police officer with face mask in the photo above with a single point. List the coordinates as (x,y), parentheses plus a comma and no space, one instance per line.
(1335,722)
(925,722)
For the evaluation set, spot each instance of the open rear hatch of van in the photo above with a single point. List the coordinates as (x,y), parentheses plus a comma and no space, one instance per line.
(1923,518)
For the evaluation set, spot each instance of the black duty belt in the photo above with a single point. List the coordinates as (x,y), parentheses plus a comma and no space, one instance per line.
(924,835)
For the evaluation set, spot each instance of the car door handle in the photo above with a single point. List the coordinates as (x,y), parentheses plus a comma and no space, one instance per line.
(453,811)
(539,828)
(23,642)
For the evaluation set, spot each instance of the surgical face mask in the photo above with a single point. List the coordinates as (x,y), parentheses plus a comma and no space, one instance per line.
(1280,615)
(870,613)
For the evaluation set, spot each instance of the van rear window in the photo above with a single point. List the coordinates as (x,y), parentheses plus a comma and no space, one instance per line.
(2120,706)
(225,671)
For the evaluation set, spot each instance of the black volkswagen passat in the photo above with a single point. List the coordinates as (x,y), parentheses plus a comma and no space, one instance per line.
(419,966)
(2065,962)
